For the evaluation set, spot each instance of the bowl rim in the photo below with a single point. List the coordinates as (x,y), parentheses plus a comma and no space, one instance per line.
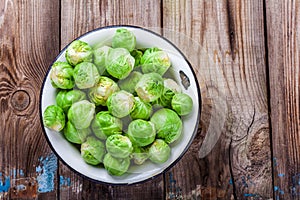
(182,153)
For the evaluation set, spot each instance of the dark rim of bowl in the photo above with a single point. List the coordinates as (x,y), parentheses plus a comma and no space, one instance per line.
(194,131)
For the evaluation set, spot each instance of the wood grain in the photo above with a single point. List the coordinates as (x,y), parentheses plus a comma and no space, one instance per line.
(243,52)
(28,43)
(283,52)
(78,17)
(230,64)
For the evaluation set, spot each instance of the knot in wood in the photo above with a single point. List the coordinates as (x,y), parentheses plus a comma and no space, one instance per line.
(20,100)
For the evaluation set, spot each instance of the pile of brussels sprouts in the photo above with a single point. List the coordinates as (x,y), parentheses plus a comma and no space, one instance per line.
(116,103)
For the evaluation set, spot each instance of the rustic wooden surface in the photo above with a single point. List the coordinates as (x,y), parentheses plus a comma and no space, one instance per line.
(246,57)
(283,49)
(25,54)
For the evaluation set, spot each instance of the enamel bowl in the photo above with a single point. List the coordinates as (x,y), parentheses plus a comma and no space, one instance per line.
(181,71)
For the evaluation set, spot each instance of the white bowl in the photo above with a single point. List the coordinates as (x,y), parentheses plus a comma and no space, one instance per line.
(70,155)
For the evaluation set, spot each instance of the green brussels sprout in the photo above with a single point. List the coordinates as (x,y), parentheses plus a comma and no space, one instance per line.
(100,57)
(116,166)
(105,125)
(141,132)
(74,135)
(142,110)
(119,63)
(119,146)
(54,118)
(102,90)
(171,84)
(167,124)
(159,151)
(182,104)
(79,51)
(61,75)
(93,151)
(155,60)
(65,98)
(86,75)
(123,38)
(120,103)
(170,89)
(81,114)
(139,154)
(150,87)
(137,54)
(130,81)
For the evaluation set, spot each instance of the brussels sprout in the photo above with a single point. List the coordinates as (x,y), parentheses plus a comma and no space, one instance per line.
(150,87)
(79,51)
(139,154)
(137,54)
(130,81)
(155,60)
(167,124)
(120,103)
(142,110)
(81,114)
(116,166)
(159,151)
(170,89)
(100,56)
(86,75)
(105,125)
(74,135)
(119,146)
(171,84)
(119,63)
(102,90)
(123,38)
(182,104)
(93,151)
(141,132)
(61,75)
(65,98)
(54,118)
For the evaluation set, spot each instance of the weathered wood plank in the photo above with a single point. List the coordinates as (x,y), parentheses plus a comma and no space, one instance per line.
(283,20)
(81,16)
(28,43)
(224,40)
(78,17)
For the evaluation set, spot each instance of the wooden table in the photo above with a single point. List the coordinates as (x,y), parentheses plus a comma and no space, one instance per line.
(246,56)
